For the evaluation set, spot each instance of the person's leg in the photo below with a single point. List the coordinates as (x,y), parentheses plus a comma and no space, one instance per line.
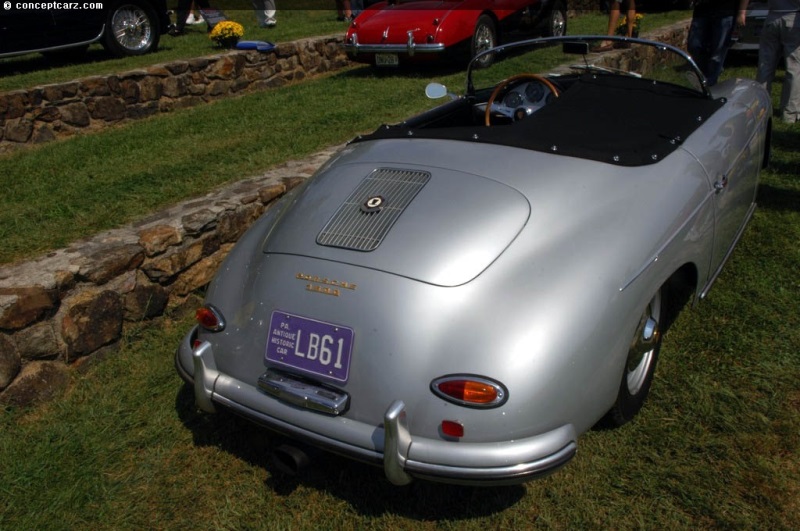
(356,7)
(613,17)
(697,42)
(790,93)
(630,18)
(769,52)
(261,12)
(181,14)
(271,11)
(719,43)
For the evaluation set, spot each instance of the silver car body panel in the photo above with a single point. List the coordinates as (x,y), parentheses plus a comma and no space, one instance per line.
(525,267)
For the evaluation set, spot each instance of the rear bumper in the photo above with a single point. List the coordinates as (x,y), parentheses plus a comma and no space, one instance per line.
(390,445)
(353,47)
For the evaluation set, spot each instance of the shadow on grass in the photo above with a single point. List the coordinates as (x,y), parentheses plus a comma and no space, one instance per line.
(779,199)
(35,62)
(786,140)
(363,486)
(427,70)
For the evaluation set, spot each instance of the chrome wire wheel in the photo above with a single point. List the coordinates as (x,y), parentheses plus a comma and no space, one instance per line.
(132,27)
(642,353)
(558,23)
(484,38)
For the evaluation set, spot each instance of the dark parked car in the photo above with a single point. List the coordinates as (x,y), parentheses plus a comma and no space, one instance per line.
(123,27)
(746,39)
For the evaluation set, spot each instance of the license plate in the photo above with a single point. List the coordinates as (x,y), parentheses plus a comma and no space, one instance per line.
(386,59)
(311,346)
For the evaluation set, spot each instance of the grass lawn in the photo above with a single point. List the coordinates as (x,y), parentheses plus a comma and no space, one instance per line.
(716,445)
(62,191)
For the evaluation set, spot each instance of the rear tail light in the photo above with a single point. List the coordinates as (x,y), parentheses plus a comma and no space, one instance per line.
(210,318)
(470,391)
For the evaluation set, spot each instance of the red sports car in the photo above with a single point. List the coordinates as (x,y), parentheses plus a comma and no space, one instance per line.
(394,32)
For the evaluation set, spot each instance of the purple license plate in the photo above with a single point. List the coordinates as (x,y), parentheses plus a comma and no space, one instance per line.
(315,347)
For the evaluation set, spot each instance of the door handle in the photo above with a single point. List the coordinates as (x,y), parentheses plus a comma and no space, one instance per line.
(721,183)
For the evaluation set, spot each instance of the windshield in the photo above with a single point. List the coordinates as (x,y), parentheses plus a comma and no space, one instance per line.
(571,54)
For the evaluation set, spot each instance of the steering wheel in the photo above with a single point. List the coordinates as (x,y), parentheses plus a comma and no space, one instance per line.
(505,84)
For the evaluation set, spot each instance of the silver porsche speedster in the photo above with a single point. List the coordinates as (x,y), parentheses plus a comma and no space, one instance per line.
(458,296)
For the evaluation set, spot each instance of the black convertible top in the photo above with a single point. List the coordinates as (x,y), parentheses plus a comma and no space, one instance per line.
(621,120)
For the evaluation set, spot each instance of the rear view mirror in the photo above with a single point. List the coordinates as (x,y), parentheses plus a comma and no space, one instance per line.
(435,91)
(575,48)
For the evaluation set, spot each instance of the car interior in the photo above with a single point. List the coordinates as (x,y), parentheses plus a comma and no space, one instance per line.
(591,113)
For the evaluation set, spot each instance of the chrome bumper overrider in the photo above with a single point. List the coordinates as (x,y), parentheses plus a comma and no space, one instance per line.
(402,455)
(410,47)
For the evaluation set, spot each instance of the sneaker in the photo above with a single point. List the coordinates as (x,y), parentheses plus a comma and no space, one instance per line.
(271,22)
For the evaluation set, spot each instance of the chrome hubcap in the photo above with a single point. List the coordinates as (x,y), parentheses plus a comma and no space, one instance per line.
(558,24)
(642,349)
(483,39)
(131,28)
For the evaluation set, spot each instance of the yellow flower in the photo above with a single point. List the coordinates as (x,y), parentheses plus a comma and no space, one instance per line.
(622,28)
(225,31)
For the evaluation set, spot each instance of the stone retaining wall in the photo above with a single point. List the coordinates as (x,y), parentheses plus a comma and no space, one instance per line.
(45,113)
(75,302)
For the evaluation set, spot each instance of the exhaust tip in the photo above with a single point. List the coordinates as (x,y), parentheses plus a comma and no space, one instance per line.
(289,459)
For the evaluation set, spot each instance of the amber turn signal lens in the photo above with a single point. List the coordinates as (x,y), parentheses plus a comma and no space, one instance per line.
(471,391)
(476,392)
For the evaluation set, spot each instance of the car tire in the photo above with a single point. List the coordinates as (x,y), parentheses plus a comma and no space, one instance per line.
(483,38)
(132,28)
(640,365)
(556,21)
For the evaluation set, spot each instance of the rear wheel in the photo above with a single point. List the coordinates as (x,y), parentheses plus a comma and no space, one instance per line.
(483,38)
(637,376)
(132,28)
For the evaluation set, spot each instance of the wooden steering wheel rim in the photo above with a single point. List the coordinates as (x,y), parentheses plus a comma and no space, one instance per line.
(506,82)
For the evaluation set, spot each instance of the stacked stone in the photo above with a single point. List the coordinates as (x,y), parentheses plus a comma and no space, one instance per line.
(42,114)
(59,309)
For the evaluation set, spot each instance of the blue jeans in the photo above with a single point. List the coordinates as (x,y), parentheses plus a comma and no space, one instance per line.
(708,43)
(781,38)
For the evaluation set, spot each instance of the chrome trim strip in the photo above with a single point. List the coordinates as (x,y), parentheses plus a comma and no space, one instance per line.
(56,48)
(509,475)
(654,258)
(739,234)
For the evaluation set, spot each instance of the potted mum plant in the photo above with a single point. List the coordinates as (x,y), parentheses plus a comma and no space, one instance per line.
(226,34)
(622,28)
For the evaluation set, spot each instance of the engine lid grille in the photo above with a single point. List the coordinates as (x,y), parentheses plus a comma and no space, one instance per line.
(364,219)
